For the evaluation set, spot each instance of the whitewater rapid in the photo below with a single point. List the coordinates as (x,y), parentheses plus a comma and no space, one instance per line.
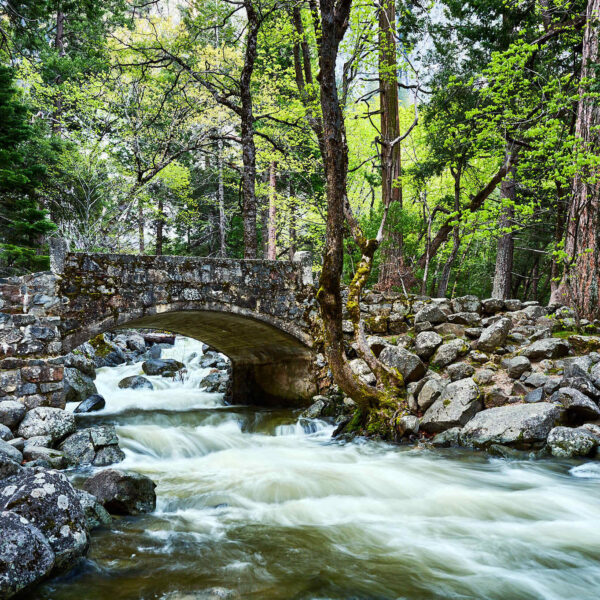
(265,504)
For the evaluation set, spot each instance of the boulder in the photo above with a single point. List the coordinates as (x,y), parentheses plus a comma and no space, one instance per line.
(460,370)
(426,343)
(515,367)
(494,335)
(10,451)
(407,425)
(121,492)
(5,433)
(449,352)
(53,457)
(216,382)
(565,442)
(430,392)
(492,305)
(98,446)
(456,406)
(78,360)
(470,319)
(135,382)
(45,420)
(448,438)
(91,404)
(11,413)
(9,463)
(95,514)
(576,403)
(583,385)
(469,303)
(514,424)
(546,348)
(513,304)
(431,313)
(409,364)
(536,395)
(166,367)
(50,503)
(78,386)
(25,554)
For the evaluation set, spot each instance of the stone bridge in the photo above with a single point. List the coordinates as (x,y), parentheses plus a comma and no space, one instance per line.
(260,313)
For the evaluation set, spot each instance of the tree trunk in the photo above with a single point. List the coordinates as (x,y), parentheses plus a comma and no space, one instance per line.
(159,227)
(580,286)
(140,219)
(59,45)
(248,146)
(334,22)
(292,223)
(391,270)
(445,277)
(504,255)
(559,232)
(272,225)
(221,199)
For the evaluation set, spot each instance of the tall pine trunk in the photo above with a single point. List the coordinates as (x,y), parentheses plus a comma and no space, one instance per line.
(221,199)
(506,244)
(272,222)
(580,286)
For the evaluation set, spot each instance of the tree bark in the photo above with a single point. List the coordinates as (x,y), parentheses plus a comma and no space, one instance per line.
(140,218)
(580,286)
(559,232)
(445,276)
(160,227)
(504,255)
(272,225)
(248,146)
(59,45)
(391,270)
(221,199)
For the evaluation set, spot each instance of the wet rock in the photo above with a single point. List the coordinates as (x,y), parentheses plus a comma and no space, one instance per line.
(576,403)
(25,554)
(460,370)
(45,420)
(491,306)
(78,386)
(431,313)
(426,343)
(447,439)
(98,446)
(95,514)
(409,364)
(49,502)
(11,413)
(456,406)
(469,303)
(515,424)
(449,352)
(91,404)
(494,335)
(166,367)
(567,443)
(135,382)
(215,382)
(122,492)
(515,367)
(546,348)
(317,408)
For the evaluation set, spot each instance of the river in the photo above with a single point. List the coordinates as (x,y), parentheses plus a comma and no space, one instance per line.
(264,503)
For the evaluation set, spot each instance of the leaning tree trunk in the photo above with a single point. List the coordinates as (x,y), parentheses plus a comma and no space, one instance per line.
(506,244)
(580,286)
(391,270)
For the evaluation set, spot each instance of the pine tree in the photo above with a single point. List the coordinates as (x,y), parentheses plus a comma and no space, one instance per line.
(23,221)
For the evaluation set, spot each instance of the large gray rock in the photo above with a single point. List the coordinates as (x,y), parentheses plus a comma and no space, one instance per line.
(5,433)
(494,335)
(460,370)
(11,413)
(426,343)
(515,424)
(95,514)
(98,446)
(458,403)
(121,492)
(10,451)
(470,319)
(135,382)
(409,364)
(50,503)
(547,348)
(469,303)
(166,367)
(516,366)
(25,554)
(78,360)
(430,392)
(576,403)
(45,420)
(431,313)
(78,386)
(565,442)
(449,352)
(9,465)
(583,385)
(492,305)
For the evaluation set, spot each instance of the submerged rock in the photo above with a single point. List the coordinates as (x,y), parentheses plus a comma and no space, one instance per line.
(135,382)
(91,404)
(121,492)
(50,503)
(25,554)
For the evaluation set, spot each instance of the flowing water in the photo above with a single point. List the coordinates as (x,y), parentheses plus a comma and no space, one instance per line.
(265,504)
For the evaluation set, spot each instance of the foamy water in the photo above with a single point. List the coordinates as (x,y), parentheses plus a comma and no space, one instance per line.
(265,504)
